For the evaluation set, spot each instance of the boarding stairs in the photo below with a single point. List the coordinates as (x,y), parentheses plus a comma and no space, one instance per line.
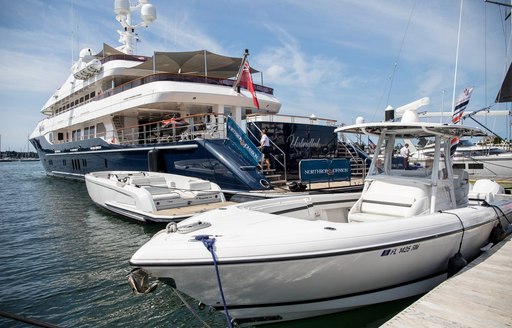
(357,164)
(119,127)
(273,177)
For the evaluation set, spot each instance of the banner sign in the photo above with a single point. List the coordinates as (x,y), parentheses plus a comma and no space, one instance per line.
(242,141)
(324,170)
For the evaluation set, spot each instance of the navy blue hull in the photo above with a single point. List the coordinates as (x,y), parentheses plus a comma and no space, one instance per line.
(216,160)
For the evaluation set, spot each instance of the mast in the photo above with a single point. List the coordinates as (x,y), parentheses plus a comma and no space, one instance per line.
(457,55)
(239,74)
(123,11)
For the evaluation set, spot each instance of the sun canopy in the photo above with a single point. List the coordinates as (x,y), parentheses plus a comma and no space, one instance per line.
(108,51)
(200,62)
(412,130)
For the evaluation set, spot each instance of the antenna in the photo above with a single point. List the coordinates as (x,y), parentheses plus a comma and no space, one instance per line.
(123,11)
(457,55)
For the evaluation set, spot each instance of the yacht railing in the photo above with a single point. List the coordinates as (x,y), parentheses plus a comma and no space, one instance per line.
(282,164)
(176,78)
(80,99)
(351,149)
(201,126)
(124,57)
(282,118)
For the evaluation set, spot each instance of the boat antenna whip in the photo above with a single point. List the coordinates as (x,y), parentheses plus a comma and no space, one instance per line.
(240,70)
(470,115)
(208,243)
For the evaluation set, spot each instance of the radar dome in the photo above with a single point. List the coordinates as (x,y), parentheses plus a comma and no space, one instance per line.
(122,7)
(148,13)
(359,120)
(86,54)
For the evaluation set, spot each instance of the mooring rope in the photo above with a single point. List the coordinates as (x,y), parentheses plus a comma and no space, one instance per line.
(208,243)
(463,228)
(495,208)
(27,320)
(190,308)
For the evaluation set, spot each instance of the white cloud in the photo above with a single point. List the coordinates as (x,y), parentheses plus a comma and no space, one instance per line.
(30,73)
(181,33)
(289,65)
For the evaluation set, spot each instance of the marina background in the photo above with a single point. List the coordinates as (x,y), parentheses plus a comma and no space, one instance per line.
(64,261)
(355,59)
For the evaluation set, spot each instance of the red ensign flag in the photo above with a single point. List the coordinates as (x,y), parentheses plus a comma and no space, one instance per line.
(246,82)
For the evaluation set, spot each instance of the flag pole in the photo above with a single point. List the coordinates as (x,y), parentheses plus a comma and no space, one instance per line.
(457,56)
(239,74)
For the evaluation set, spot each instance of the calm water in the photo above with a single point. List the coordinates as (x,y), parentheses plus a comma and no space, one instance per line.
(64,261)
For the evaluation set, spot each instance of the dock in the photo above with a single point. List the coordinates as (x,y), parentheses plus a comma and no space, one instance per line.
(480,295)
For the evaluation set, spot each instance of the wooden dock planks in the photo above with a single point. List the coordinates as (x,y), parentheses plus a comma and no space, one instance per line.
(478,296)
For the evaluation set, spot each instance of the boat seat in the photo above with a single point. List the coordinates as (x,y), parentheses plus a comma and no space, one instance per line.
(146,181)
(167,195)
(387,200)
(198,185)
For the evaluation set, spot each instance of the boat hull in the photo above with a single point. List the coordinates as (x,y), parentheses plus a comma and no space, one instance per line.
(270,276)
(217,160)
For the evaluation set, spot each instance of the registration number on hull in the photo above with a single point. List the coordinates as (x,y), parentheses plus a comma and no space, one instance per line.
(400,250)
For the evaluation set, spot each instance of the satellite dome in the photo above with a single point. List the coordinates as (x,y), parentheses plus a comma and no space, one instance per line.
(86,54)
(148,13)
(122,7)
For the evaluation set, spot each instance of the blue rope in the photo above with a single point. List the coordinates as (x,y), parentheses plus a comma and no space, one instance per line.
(208,243)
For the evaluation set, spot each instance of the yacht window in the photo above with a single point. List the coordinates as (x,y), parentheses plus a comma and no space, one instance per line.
(81,99)
(76,134)
(86,97)
(91,131)
(86,133)
(100,130)
(60,136)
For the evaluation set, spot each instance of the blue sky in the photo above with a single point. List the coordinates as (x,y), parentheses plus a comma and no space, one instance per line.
(334,59)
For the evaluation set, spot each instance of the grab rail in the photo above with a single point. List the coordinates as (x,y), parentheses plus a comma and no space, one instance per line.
(281,164)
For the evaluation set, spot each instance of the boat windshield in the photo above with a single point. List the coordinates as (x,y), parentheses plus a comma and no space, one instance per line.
(394,158)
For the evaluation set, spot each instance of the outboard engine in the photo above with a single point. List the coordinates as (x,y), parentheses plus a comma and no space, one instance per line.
(484,190)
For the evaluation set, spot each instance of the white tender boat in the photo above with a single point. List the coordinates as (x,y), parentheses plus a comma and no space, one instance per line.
(153,196)
(297,257)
